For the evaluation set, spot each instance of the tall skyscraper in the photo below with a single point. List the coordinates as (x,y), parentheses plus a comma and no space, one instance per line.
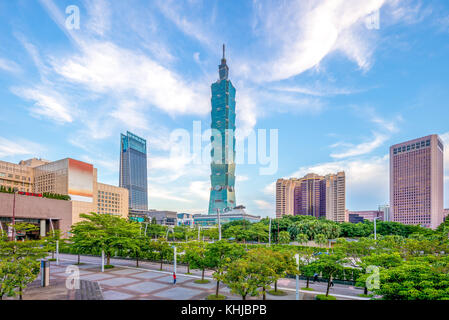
(336,196)
(133,170)
(222,193)
(416,181)
(313,195)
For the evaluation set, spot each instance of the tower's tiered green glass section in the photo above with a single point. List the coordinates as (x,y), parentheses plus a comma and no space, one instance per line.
(222,194)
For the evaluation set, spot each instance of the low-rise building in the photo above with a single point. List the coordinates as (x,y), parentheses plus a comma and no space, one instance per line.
(46,214)
(359,216)
(185,219)
(71,177)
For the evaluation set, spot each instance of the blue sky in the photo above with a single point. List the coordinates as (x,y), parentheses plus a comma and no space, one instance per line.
(339,91)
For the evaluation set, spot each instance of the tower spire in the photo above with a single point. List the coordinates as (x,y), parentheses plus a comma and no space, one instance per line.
(223,68)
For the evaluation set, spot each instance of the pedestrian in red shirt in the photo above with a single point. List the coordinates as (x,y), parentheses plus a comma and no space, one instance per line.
(174,278)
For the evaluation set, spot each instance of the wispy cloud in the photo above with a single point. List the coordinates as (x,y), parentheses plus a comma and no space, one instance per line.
(307,31)
(9,66)
(19,147)
(46,103)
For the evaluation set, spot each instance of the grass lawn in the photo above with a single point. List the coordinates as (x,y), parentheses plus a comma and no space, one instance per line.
(277,293)
(323,297)
(201,281)
(214,297)
(108,266)
(307,289)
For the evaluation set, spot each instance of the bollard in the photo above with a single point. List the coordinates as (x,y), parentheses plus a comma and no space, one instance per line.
(45,273)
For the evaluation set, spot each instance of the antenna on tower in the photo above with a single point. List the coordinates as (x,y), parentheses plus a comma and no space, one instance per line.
(224,51)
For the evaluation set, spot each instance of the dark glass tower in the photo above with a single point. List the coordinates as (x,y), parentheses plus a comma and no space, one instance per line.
(222,193)
(133,170)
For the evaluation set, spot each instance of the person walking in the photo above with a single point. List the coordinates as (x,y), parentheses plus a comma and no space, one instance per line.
(315,277)
(332,282)
(174,278)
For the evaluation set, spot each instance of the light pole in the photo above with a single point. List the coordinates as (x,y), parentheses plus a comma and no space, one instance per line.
(199,230)
(57,252)
(269,234)
(174,259)
(297,277)
(219,225)
(375,235)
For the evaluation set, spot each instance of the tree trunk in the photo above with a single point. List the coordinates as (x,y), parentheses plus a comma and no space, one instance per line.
(307,283)
(244,297)
(276,286)
(52,254)
(218,286)
(108,259)
(202,275)
(161,262)
(188,267)
(79,259)
(264,294)
(137,261)
(328,286)
(365,290)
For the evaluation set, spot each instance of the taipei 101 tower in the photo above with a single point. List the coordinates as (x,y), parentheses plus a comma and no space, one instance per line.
(222,193)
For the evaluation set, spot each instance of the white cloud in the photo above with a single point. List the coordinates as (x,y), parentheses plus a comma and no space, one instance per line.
(156,192)
(264,205)
(9,66)
(46,103)
(104,67)
(200,189)
(360,149)
(99,12)
(19,147)
(307,31)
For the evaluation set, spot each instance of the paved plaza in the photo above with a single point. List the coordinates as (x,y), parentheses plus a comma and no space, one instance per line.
(126,282)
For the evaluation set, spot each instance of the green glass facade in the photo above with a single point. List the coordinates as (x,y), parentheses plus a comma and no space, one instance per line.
(222,194)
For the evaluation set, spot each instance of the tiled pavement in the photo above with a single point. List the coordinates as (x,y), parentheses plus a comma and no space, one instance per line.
(125,282)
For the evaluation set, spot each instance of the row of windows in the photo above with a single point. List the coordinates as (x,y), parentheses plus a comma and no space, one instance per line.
(412,146)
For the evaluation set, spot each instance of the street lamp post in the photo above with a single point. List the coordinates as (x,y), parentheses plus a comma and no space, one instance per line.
(219,224)
(13,236)
(174,259)
(57,252)
(375,234)
(269,234)
(297,277)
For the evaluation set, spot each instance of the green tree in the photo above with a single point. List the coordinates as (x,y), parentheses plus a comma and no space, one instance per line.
(284,237)
(218,255)
(197,258)
(329,265)
(241,278)
(165,251)
(106,232)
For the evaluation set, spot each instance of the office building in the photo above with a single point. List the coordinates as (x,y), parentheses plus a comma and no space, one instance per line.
(222,193)
(416,181)
(133,170)
(162,217)
(314,195)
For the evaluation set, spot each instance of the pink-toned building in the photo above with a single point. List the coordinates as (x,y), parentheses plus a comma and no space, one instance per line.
(416,181)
